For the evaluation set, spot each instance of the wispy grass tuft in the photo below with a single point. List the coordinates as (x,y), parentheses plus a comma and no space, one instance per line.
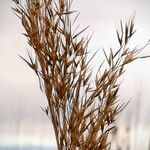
(82,115)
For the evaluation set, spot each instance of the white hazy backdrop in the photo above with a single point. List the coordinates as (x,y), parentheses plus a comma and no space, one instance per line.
(21,119)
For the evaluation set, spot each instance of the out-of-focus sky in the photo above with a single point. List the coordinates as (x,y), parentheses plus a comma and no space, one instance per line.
(21,119)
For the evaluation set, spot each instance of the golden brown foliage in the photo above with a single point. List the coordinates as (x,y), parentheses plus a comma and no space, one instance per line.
(82,115)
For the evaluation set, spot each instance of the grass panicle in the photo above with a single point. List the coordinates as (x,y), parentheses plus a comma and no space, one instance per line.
(82,115)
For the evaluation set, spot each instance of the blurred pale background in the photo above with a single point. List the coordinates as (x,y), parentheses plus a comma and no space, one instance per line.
(22,122)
